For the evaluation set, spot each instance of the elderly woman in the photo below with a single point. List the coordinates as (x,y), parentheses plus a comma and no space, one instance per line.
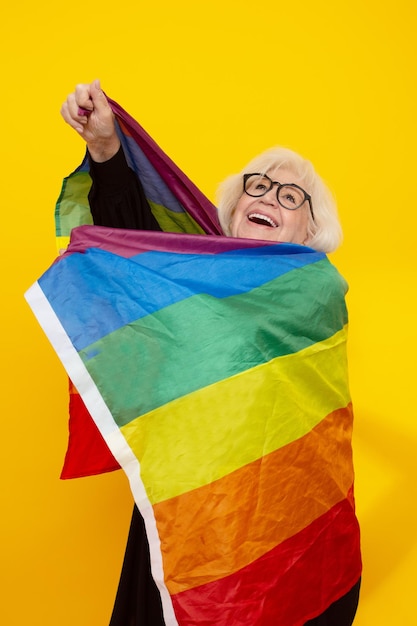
(277,197)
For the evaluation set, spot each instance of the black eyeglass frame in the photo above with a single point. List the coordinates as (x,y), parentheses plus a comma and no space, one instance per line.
(307,196)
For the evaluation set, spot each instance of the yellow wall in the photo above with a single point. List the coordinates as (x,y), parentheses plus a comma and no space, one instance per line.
(214,83)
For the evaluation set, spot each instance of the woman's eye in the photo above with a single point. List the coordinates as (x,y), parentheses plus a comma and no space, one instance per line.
(290,198)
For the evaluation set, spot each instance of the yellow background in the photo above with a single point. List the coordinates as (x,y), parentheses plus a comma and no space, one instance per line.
(214,83)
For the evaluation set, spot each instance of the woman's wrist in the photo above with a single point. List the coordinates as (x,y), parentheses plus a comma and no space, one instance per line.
(103,149)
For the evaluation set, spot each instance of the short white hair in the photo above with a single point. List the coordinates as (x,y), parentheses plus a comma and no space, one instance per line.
(324,231)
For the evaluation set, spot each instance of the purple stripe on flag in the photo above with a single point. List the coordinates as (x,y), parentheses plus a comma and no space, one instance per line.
(183,188)
(127,243)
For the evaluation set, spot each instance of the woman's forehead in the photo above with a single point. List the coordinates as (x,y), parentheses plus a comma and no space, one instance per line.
(284,174)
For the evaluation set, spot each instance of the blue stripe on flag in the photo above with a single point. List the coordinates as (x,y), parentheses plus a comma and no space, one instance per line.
(117,291)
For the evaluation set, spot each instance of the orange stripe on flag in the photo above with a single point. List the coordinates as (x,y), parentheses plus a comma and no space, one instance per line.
(231,522)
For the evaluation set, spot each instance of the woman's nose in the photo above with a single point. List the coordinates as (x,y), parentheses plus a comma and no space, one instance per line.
(271,197)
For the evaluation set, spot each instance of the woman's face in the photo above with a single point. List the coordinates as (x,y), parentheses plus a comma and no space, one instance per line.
(265,218)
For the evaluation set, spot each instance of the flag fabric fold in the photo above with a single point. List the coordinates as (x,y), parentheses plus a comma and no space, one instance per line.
(176,202)
(215,370)
(178,206)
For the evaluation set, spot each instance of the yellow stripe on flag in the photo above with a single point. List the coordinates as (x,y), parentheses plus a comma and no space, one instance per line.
(207,434)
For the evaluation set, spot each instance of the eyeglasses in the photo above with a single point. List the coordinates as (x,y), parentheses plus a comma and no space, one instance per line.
(289,195)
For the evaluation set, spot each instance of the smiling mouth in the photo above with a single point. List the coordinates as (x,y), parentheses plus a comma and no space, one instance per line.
(263,220)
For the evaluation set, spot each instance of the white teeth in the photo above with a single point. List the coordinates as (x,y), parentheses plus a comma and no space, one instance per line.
(258,218)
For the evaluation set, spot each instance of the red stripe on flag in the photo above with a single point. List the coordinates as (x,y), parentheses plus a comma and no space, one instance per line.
(283,587)
(87,453)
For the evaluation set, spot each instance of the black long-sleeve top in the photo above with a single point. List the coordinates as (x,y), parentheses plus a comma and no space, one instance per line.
(117,198)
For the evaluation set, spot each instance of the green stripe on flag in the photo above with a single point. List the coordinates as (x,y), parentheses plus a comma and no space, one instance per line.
(72,208)
(195,342)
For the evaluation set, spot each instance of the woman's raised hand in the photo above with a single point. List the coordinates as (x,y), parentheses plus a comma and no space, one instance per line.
(88,112)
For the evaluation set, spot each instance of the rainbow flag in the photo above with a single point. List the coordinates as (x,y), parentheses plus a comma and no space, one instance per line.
(215,370)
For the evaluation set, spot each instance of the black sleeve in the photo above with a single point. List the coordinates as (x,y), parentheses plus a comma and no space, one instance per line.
(117,198)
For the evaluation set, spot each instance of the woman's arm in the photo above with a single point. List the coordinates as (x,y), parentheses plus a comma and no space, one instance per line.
(116,198)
